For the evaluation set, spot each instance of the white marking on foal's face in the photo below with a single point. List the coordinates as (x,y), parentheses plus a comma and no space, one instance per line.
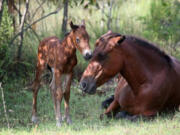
(87,54)
(87,51)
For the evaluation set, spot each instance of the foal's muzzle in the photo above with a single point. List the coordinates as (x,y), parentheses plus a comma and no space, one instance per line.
(87,55)
(88,86)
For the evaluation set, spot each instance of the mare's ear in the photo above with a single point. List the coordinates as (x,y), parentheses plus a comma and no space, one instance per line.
(73,27)
(121,39)
(116,41)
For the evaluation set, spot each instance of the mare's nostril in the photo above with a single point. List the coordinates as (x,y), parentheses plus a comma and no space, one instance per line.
(83,85)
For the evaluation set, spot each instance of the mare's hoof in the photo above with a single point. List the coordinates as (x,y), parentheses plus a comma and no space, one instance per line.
(105,104)
(35,119)
(134,118)
(121,115)
(101,117)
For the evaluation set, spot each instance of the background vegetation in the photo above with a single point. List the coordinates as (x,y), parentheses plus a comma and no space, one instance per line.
(155,20)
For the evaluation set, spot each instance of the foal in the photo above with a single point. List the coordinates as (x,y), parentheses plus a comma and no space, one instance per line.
(60,56)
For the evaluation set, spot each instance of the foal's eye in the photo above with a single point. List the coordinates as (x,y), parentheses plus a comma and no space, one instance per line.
(77,40)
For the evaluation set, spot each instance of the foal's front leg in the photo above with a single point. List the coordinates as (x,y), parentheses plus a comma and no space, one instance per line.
(67,97)
(58,97)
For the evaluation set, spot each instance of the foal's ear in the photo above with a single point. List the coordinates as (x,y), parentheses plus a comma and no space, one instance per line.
(73,27)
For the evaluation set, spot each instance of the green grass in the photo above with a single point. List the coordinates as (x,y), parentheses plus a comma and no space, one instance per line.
(85,111)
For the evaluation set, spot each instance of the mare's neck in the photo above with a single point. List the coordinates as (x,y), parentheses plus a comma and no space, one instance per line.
(141,65)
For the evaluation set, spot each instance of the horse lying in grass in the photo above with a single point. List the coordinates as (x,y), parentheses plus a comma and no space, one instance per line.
(152,76)
(60,56)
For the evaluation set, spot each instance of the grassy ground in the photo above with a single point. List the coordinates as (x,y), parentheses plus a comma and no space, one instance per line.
(85,111)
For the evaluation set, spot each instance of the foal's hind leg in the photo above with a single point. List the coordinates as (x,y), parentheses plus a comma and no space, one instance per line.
(36,85)
(67,97)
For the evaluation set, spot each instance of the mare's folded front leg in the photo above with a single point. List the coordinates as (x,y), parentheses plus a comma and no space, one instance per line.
(113,106)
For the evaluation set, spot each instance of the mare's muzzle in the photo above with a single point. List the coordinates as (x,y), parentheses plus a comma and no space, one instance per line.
(88,86)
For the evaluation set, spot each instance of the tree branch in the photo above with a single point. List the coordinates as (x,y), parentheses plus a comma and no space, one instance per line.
(65,17)
(4,105)
(109,15)
(35,34)
(27,27)
(40,6)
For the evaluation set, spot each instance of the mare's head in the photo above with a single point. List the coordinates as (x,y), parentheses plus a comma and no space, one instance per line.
(80,39)
(106,62)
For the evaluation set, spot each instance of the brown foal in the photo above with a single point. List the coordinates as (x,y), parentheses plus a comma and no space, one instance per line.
(60,56)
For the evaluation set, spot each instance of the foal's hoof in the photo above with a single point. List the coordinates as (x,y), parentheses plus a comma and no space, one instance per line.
(58,124)
(35,119)
(67,119)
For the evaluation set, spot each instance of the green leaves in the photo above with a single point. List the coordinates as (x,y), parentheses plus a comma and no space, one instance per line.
(164,19)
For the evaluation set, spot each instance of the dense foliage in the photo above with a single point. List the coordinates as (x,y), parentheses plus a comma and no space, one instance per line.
(6,54)
(157,21)
(164,21)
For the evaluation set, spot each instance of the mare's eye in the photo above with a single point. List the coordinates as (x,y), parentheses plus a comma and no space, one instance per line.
(77,40)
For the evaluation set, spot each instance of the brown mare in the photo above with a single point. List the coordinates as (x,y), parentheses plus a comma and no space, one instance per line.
(152,76)
(60,56)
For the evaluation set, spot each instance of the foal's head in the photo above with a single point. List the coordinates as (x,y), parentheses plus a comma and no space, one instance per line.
(106,62)
(80,39)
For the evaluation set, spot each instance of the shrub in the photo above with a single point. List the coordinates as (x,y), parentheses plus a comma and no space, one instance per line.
(163,21)
(6,31)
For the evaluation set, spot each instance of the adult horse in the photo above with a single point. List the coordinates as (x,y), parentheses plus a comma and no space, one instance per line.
(60,56)
(152,76)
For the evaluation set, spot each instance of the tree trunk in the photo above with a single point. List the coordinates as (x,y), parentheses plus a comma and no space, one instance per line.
(65,17)
(1,10)
(102,13)
(109,16)
(21,29)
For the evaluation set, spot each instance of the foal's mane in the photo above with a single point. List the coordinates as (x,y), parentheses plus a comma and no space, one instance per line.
(148,45)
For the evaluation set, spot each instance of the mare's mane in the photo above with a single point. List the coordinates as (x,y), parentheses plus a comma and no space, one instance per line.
(148,45)
(141,42)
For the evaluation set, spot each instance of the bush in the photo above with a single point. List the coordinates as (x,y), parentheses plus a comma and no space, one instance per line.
(6,31)
(163,21)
